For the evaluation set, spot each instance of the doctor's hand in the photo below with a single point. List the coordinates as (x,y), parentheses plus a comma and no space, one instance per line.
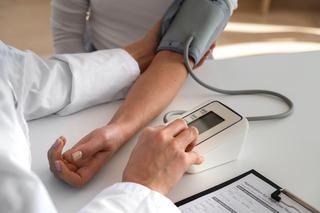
(78,165)
(162,156)
(144,50)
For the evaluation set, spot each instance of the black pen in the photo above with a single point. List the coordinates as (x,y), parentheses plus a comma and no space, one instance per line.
(276,196)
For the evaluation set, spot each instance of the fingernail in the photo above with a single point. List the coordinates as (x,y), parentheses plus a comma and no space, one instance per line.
(197,131)
(185,122)
(57,143)
(62,139)
(58,166)
(77,155)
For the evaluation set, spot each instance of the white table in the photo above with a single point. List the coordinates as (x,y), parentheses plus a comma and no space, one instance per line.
(286,151)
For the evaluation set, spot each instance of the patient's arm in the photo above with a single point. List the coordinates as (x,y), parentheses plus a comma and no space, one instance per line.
(149,95)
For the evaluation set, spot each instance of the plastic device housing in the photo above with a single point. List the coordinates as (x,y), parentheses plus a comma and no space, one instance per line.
(222,147)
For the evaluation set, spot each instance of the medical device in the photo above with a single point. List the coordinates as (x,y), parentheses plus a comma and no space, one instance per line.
(221,133)
(190,27)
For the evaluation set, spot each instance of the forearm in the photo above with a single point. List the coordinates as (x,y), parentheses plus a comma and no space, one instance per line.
(151,93)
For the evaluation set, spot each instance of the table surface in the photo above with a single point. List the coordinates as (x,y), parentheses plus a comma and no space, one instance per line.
(286,151)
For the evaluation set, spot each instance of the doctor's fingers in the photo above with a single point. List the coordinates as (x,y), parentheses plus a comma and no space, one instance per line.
(191,146)
(193,158)
(186,138)
(174,128)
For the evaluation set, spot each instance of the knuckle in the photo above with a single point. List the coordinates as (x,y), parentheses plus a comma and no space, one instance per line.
(181,122)
(161,135)
(174,146)
(185,136)
(182,157)
(190,134)
(193,131)
(148,130)
(103,134)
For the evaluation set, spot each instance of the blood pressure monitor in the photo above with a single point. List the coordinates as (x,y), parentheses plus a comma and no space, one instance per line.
(221,133)
(189,27)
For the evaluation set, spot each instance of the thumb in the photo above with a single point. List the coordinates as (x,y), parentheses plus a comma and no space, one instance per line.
(194,158)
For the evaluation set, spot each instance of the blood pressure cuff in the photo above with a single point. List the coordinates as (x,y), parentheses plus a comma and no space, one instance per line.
(202,19)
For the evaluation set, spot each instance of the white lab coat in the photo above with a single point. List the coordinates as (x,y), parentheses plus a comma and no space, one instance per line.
(32,87)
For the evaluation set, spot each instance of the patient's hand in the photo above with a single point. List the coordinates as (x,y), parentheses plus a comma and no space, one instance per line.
(78,165)
(206,55)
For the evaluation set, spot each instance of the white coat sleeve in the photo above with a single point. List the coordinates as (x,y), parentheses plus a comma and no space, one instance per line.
(68,24)
(34,87)
(21,189)
(130,197)
(67,83)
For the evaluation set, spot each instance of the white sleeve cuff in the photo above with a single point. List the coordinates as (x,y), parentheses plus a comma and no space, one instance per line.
(130,197)
(98,77)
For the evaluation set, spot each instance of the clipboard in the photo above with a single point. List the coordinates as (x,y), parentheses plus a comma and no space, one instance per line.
(247,192)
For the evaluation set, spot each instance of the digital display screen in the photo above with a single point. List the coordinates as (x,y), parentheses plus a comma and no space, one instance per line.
(206,122)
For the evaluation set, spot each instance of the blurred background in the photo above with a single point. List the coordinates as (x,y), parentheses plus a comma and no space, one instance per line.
(257,27)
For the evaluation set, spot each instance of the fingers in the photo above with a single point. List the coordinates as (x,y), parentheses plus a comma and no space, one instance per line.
(206,55)
(187,140)
(85,173)
(187,137)
(58,167)
(70,177)
(175,127)
(93,166)
(68,154)
(194,158)
(88,149)
(55,151)
(80,176)
(212,46)
(191,145)
(85,150)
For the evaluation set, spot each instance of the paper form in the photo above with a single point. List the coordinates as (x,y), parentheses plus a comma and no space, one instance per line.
(250,194)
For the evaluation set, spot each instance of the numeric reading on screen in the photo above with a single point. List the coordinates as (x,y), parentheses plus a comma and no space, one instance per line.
(206,122)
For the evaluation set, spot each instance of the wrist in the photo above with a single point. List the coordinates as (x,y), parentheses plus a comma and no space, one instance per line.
(115,134)
(122,131)
(146,183)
